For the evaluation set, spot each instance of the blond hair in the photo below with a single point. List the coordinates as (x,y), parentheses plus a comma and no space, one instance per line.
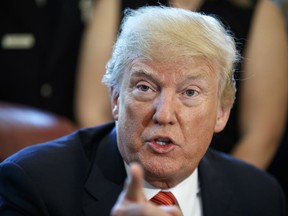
(179,32)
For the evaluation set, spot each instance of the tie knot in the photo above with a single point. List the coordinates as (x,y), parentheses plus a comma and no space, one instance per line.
(164,198)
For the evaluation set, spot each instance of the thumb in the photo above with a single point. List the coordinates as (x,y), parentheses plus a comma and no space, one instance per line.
(134,186)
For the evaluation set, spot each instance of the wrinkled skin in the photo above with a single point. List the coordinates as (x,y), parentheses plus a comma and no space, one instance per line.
(166,114)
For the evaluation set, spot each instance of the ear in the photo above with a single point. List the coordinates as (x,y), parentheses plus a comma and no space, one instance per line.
(222,118)
(114,102)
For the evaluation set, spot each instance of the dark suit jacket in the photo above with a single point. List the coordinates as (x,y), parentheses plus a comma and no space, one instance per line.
(83,174)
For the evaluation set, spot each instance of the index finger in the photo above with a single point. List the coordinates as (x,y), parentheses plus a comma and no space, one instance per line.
(135,184)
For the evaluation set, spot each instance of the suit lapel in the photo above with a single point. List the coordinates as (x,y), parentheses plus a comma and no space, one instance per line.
(106,178)
(214,192)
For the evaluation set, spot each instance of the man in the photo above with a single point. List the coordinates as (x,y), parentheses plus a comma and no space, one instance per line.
(172,88)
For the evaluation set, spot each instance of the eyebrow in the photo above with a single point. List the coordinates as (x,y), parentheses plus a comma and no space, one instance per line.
(197,76)
(142,71)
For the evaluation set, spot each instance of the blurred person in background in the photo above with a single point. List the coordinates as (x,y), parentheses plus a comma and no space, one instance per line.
(279,165)
(39,52)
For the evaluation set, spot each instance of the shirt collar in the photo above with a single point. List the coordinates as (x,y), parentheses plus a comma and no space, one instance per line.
(186,192)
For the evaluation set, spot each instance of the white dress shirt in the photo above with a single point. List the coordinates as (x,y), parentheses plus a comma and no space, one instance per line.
(186,192)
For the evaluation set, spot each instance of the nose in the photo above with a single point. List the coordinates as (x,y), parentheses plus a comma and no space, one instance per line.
(165,109)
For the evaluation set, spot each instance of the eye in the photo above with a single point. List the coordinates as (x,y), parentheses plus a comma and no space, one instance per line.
(190,92)
(143,91)
(142,87)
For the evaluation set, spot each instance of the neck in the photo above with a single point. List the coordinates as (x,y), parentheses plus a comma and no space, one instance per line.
(167,182)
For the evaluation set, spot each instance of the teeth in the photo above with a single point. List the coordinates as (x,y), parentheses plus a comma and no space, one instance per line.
(162,141)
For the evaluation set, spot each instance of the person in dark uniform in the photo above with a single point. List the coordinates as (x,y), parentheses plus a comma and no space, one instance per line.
(39,52)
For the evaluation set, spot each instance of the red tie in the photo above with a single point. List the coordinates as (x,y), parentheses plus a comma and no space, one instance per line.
(164,198)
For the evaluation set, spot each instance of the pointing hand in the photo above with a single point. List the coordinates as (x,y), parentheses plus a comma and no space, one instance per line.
(132,201)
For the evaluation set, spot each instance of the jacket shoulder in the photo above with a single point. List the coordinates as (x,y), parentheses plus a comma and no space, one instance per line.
(243,187)
(51,175)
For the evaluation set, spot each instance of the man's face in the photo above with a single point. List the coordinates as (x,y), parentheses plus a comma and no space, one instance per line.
(166,114)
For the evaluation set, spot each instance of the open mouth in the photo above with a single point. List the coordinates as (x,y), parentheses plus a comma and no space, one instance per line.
(161,145)
(163,141)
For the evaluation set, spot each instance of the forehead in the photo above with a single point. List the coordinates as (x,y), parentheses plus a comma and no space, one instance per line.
(177,69)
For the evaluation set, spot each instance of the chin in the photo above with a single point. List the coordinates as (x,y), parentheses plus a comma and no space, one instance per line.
(159,168)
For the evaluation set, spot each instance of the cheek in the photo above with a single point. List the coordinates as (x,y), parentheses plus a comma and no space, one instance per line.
(199,130)
(133,119)
(135,114)
(201,120)
(126,134)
